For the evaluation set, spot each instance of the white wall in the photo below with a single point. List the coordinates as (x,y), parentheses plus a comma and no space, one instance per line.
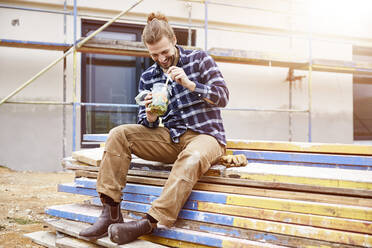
(31,135)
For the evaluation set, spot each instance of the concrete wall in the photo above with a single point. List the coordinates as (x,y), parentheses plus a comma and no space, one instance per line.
(31,136)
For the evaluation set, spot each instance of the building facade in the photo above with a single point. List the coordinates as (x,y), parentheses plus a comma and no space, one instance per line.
(37,136)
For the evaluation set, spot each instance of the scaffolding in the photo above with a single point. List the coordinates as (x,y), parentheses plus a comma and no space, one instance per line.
(94,45)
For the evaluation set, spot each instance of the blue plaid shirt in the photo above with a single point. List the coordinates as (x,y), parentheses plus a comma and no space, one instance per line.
(186,109)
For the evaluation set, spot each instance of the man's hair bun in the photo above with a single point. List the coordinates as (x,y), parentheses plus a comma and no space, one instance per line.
(156,28)
(158,16)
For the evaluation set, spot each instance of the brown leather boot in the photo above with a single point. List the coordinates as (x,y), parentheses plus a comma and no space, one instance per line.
(110,214)
(124,233)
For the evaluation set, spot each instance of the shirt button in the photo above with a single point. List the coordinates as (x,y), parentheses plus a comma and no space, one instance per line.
(199,95)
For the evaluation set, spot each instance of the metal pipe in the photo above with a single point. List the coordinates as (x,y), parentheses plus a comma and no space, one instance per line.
(40,102)
(75,21)
(108,105)
(310,87)
(74,102)
(74,81)
(189,6)
(206,25)
(290,113)
(264,109)
(36,9)
(64,92)
(136,106)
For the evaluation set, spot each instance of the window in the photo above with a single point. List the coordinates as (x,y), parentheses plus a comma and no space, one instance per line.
(113,79)
(362,97)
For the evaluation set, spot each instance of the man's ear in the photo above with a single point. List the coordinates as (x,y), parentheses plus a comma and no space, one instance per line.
(174,40)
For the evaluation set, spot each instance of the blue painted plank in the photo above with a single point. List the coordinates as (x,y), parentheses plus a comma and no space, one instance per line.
(196,195)
(70,215)
(95,137)
(318,165)
(191,237)
(71,188)
(307,158)
(291,158)
(127,197)
(174,233)
(133,213)
(185,214)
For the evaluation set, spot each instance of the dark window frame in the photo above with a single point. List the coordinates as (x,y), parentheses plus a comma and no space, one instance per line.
(360,79)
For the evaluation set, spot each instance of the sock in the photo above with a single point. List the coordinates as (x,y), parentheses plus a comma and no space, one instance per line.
(108,200)
(151,219)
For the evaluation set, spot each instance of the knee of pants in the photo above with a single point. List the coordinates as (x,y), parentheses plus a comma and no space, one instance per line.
(191,165)
(116,140)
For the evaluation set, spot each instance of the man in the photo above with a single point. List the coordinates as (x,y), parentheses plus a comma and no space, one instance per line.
(193,136)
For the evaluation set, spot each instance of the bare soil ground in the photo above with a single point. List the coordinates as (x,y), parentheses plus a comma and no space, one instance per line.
(23,198)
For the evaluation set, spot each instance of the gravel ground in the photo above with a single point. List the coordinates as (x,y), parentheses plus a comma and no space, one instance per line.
(23,198)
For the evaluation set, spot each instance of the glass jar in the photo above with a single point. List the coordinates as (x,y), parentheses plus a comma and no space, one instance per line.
(160,99)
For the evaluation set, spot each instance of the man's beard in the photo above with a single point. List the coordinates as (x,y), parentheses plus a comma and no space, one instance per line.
(170,62)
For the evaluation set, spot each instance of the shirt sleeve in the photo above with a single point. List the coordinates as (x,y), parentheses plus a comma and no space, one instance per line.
(212,87)
(142,119)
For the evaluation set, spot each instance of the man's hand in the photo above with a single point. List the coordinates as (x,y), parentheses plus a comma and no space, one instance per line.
(178,74)
(151,117)
(234,160)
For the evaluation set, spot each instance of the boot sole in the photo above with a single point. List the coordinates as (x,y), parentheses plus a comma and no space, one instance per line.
(109,233)
(92,238)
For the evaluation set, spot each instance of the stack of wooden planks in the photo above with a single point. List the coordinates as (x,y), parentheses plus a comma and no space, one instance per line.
(289,195)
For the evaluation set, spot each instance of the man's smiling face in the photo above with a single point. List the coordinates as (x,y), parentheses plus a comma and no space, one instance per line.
(163,52)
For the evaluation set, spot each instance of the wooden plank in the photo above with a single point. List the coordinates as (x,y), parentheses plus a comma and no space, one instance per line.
(71,165)
(294,195)
(255,58)
(118,47)
(304,181)
(89,156)
(288,186)
(69,242)
(44,238)
(286,217)
(332,148)
(341,66)
(348,238)
(35,44)
(320,176)
(90,214)
(267,237)
(328,235)
(337,178)
(308,159)
(136,163)
(324,209)
(306,147)
(299,147)
(264,214)
(285,194)
(73,228)
(88,174)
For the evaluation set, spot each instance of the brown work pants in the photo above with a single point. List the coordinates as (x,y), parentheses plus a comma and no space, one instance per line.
(192,157)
